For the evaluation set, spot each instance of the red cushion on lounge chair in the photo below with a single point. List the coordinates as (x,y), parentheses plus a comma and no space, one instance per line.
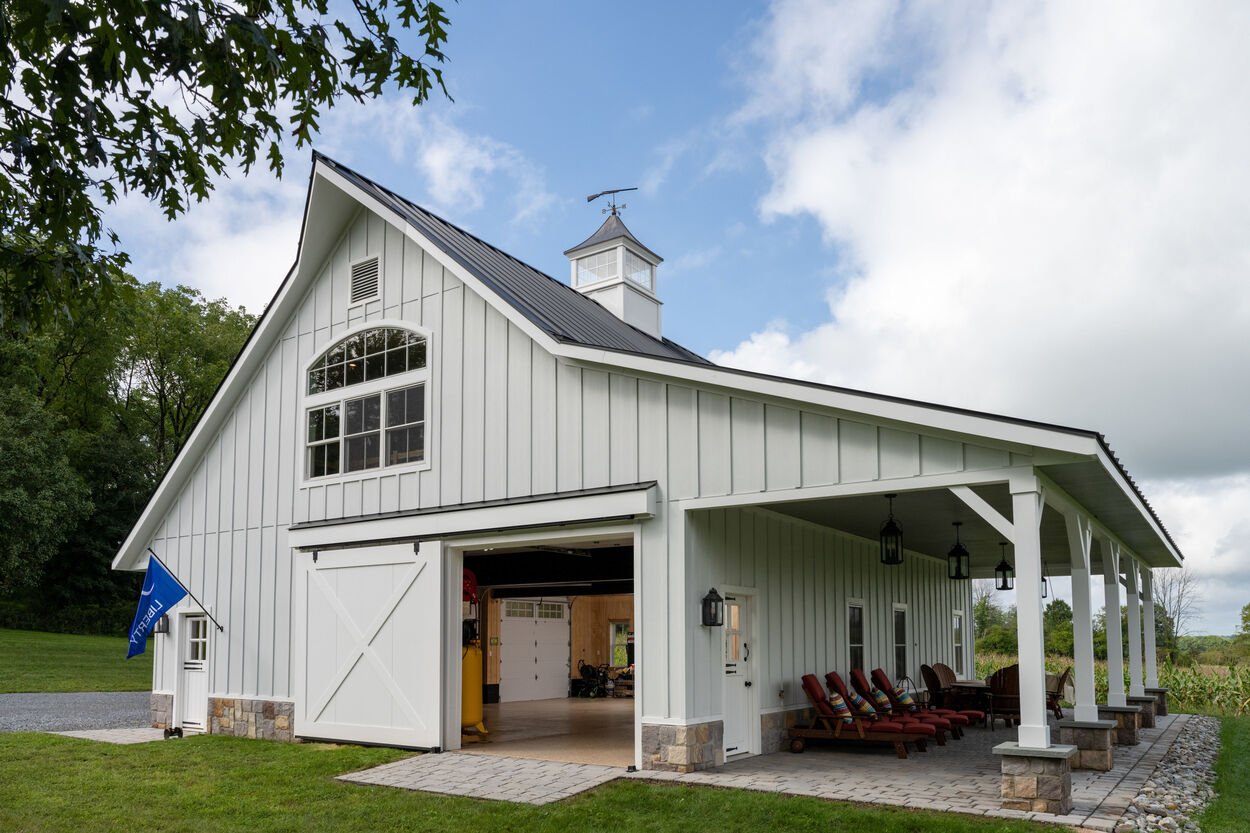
(953,716)
(973,714)
(933,720)
(884,726)
(925,729)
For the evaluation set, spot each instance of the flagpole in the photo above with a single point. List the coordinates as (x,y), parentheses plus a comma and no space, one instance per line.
(184,587)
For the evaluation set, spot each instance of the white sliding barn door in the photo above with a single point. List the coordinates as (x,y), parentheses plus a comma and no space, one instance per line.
(369,643)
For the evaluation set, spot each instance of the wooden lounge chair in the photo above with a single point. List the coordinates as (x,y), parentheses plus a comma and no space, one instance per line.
(1055,695)
(943,698)
(827,725)
(836,686)
(947,719)
(1005,696)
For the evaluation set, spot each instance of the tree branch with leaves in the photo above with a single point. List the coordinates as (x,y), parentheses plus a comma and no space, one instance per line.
(103,98)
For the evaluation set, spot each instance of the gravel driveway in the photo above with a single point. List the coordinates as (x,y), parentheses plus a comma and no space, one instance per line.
(70,712)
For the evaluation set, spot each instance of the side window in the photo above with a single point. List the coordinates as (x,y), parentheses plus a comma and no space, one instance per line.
(855,633)
(957,638)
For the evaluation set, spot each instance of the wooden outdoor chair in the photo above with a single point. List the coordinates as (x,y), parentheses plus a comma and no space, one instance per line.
(1055,694)
(955,697)
(1005,696)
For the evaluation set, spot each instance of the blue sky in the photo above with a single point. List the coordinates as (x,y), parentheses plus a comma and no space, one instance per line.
(1036,209)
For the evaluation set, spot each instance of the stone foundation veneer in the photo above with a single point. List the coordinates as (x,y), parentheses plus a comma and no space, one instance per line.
(1127,723)
(775,726)
(1092,739)
(1037,780)
(1161,700)
(265,719)
(1147,705)
(161,707)
(683,748)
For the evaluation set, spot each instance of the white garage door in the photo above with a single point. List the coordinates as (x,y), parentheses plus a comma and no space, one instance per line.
(368,646)
(534,650)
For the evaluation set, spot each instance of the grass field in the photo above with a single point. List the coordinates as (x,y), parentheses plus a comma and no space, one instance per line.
(213,783)
(34,661)
(1229,813)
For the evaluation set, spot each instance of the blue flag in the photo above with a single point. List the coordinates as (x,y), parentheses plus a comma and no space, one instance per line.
(161,591)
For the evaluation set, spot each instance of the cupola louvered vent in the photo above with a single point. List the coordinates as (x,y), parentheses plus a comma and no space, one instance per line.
(364,280)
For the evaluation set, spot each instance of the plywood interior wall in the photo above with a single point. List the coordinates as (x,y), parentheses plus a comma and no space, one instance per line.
(492,611)
(592,618)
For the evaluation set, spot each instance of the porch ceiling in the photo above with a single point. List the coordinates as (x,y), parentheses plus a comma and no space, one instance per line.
(926,518)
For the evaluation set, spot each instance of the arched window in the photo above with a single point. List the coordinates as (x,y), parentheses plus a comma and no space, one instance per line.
(378,418)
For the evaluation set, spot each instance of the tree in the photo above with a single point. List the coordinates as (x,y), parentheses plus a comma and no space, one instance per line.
(99,98)
(1176,591)
(40,494)
(1057,625)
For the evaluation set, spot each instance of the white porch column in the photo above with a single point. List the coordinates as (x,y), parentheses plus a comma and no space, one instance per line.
(1135,686)
(1148,626)
(1111,612)
(1026,507)
(1079,541)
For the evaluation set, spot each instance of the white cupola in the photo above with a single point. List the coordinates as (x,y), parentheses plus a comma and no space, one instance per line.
(615,269)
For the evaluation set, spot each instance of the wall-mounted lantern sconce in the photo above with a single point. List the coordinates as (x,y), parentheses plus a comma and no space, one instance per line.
(958,565)
(891,538)
(162,625)
(713,609)
(1005,573)
(1045,582)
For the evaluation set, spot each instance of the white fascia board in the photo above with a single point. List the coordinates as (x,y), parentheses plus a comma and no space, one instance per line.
(904,414)
(1118,476)
(558,511)
(499,304)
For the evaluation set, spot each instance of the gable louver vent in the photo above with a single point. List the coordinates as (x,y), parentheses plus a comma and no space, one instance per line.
(364,280)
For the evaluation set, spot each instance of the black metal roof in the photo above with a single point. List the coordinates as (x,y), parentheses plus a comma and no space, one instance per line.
(613,228)
(555,307)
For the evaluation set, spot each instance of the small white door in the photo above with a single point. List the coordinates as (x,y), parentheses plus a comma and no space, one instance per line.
(533,650)
(739,676)
(193,683)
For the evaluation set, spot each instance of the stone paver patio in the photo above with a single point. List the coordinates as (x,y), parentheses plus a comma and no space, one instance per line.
(963,777)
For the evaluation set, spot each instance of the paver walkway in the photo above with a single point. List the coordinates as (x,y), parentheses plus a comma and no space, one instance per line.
(964,776)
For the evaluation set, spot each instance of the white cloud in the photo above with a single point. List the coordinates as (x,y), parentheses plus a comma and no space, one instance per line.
(241,242)
(1039,209)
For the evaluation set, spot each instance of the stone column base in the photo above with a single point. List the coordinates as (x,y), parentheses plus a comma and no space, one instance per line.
(161,707)
(1161,700)
(265,719)
(683,748)
(1127,723)
(775,728)
(1037,780)
(1092,738)
(1147,705)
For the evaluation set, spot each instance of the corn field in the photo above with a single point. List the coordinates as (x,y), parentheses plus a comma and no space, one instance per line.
(1199,689)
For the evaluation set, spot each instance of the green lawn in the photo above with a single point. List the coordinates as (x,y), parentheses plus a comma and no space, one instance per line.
(50,783)
(35,661)
(1228,813)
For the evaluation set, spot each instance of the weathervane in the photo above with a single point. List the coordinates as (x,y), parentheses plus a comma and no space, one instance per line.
(612,208)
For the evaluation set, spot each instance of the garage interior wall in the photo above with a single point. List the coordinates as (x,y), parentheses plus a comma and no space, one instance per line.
(592,626)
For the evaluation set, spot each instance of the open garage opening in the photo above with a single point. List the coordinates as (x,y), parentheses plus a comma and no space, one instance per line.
(554,627)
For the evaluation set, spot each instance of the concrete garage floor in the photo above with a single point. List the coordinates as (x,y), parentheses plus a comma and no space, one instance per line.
(573,730)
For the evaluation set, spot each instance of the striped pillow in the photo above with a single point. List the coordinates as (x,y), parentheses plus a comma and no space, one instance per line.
(881,699)
(860,705)
(905,700)
(840,708)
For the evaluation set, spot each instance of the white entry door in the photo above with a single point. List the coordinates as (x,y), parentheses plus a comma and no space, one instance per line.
(533,650)
(193,675)
(739,676)
(369,646)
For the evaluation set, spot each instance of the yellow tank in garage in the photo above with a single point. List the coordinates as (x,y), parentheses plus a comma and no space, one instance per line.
(471,715)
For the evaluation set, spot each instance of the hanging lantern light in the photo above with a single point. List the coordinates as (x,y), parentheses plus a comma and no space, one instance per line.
(957,560)
(1004,571)
(891,538)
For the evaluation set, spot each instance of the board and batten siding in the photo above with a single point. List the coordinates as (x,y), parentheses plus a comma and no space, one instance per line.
(801,576)
(506,418)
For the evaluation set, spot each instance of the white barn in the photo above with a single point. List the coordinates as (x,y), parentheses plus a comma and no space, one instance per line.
(415,401)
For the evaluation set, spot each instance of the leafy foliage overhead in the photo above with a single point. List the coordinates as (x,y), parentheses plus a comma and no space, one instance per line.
(100,98)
